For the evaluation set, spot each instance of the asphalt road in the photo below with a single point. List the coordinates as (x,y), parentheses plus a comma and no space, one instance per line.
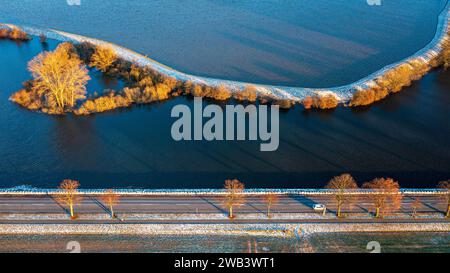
(204,205)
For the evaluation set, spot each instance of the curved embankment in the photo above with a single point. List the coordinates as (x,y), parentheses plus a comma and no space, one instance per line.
(343,93)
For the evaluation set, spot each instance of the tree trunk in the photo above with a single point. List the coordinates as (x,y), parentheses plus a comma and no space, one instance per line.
(71,210)
(448,211)
(268,211)
(231,212)
(72,103)
(59,99)
(377,212)
(112,211)
(339,211)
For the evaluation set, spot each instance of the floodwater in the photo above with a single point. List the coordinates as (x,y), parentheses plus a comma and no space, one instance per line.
(311,43)
(308,43)
(405,137)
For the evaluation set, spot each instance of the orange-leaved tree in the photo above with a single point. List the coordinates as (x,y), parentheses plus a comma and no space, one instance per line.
(103,58)
(59,77)
(385,196)
(69,194)
(341,186)
(110,198)
(234,195)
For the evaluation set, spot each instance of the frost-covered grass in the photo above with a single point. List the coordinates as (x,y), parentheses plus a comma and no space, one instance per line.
(277,230)
(28,190)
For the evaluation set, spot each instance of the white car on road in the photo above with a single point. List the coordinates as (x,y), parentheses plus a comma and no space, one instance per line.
(319,207)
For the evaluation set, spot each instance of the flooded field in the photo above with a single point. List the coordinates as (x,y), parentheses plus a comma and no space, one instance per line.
(309,43)
(134,148)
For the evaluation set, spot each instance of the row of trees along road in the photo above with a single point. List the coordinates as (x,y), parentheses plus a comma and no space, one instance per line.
(384,195)
(70,196)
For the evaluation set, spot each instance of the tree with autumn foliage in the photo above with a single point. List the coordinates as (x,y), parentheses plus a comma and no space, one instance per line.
(415,206)
(341,185)
(59,81)
(271,199)
(110,198)
(234,195)
(69,195)
(103,58)
(445,185)
(385,196)
(444,56)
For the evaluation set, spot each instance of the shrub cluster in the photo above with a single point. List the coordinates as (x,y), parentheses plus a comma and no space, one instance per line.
(14,34)
(391,82)
(26,98)
(108,101)
(248,94)
(220,92)
(59,82)
(103,58)
(401,76)
(328,101)
(444,57)
(111,99)
(144,84)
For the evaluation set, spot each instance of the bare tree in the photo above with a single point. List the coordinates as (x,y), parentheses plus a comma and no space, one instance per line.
(69,194)
(59,77)
(415,206)
(103,58)
(110,198)
(271,199)
(234,195)
(396,78)
(445,185)
(386,196)
(341,185)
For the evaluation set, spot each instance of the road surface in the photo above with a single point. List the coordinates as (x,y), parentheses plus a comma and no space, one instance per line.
(164,205)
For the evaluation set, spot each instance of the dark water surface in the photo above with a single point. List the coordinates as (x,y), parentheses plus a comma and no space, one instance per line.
(309,43)
(405,136)
(390,242)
